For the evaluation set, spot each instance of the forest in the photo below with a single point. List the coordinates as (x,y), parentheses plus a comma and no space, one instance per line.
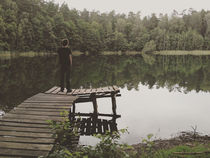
(38,25)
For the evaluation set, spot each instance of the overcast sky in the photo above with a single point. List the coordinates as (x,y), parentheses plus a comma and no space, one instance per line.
(146,7)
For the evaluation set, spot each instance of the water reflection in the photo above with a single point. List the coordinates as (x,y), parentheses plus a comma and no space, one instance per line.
(89,124)
(164,94)
(23,77)
(92,123)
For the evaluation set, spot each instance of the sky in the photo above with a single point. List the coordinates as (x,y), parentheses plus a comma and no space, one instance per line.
(146,7)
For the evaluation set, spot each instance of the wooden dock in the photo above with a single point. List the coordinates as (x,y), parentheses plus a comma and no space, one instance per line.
(90,95)
(24,131)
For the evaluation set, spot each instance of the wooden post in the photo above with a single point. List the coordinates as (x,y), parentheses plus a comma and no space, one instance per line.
(95,106)
(72,113)
(74,108)
(114,105)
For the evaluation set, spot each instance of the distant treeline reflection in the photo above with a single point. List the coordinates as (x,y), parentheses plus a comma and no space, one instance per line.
(174,72)
(23,77)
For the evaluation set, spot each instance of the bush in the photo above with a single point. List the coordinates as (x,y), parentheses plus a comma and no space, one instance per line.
(149,47)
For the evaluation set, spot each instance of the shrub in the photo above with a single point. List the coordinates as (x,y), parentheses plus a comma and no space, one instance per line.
(149,47)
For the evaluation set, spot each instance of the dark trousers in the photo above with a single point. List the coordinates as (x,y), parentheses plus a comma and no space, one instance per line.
(65,74)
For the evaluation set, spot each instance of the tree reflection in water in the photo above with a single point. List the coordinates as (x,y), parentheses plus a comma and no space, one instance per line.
(23,77)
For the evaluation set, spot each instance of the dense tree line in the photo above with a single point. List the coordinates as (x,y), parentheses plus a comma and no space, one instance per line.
(37,25)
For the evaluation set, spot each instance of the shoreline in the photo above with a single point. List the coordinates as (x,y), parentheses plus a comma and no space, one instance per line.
(78,53)
(185,144)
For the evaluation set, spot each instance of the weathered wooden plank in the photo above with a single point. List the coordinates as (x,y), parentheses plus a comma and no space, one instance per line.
(94,90)
(47,104)
(106,89)
(43,107)
(76,92)
(71,92)
(82,91)
(41,110)
(99,90)
(88,91)
(25,129)
(116,88)
(52,98)
(25,146)
(41,95)
(9,156)
(38,113)
(22,153)
(27,140)
(30,125)
(99,114)
(25,134)
(49,101)
(110,88)
(64,92)
(56,90)
(15,120)
(51,89)
(33,117)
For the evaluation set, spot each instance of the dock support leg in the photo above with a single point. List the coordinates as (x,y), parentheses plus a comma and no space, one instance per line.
(95,106)
(114,105)
(72,113)
(74,108)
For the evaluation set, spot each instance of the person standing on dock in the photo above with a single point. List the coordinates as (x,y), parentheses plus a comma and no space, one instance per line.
(65,62)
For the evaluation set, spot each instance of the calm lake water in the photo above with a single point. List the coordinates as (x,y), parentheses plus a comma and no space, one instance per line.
(162,95)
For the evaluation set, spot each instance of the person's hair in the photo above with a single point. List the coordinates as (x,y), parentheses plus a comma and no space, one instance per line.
(65,42)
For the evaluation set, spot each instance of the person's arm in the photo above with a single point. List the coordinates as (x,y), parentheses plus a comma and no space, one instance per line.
(70,57)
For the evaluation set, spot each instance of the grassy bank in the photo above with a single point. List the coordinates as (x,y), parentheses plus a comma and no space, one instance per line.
(180,52)
(186,145)
(7,54)
(169,52)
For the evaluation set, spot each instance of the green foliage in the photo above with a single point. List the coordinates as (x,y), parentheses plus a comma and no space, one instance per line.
(148,151)
(39,25)
(198,151)
(64,130)
(149,47)
(108,147)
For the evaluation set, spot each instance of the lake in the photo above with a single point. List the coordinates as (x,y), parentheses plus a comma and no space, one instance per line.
(162,95)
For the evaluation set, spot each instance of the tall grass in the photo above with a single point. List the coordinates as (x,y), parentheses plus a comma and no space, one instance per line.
(182,52)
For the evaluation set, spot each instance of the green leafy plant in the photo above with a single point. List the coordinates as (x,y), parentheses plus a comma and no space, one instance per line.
(109,146)
(64,130)
(148,150)
(149,47)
